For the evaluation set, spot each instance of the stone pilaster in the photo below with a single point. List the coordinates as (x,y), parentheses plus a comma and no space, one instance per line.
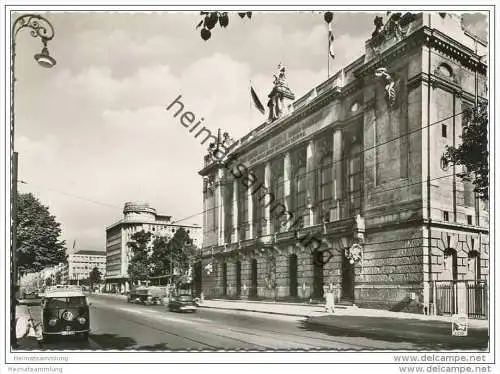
(220,204)
(310,178)
(250,213)
(235,233)
(337,174)
(287,189)
(267,201)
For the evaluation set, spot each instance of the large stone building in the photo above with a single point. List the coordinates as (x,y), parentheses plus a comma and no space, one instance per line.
(346,188)
(136,217)
(82,262)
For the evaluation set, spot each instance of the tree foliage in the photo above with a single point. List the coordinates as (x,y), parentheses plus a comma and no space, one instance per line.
(168,256)
(138,267)
(212,19)
(95,276)
(38,232)
(473,152)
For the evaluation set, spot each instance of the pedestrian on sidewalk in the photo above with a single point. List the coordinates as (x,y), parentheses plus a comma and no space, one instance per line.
(330,300)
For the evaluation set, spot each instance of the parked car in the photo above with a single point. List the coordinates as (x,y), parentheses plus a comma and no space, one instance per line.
(146,295)
(182,303)
(65,312)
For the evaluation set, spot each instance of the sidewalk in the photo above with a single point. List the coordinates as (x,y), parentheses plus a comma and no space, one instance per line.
(317,310)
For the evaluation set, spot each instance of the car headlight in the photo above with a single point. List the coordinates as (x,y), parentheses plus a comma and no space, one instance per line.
(52,322)
(82,320)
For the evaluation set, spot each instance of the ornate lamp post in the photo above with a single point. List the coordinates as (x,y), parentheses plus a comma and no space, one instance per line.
(41,28)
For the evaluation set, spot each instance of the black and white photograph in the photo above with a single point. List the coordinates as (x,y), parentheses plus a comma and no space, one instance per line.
(235,183)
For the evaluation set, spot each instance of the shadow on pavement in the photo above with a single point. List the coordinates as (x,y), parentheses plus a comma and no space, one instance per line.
(155,347)
(426,334)
(113,341)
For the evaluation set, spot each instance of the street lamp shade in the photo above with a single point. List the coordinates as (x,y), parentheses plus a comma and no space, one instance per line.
(45,59)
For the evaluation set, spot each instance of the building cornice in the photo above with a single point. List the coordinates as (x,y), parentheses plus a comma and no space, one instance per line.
(429,37)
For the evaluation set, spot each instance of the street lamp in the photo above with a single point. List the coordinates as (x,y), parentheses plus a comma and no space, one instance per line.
(41,28)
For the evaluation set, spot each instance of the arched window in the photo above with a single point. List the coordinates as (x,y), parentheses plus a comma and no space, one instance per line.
(445,70)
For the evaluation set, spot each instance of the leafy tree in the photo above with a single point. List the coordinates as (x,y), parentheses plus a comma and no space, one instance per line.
(58,277)
(38,232)
(138,268)
(95,276)
(173,255)
(473,152)
(159,260)
(181,250)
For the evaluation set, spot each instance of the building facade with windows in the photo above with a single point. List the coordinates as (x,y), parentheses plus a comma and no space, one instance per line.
(345,187)
(82,262)
(137,217)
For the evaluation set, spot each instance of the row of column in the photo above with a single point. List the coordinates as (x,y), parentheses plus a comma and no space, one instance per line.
(311,165)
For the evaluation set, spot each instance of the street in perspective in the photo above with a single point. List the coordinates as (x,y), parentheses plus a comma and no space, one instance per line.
(250,181)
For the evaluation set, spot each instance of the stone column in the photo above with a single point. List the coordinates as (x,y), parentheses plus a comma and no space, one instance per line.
(235,234)
(267,201)
(337,173)
(250,213)
(287,189)
(310,178)
(220,205)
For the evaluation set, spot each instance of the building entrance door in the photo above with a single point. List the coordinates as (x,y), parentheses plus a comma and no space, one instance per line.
(317,275)
(347,280)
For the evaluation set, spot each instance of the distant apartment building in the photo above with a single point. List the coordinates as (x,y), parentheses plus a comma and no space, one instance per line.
(81,263)
(136,217)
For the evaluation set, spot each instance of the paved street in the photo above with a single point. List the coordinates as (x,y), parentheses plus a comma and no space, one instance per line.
(117,324)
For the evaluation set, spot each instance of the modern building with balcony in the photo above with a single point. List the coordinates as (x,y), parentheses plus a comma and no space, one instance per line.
(137,217)
(345,187)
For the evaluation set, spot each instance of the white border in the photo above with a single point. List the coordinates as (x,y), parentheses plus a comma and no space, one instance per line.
(125,357)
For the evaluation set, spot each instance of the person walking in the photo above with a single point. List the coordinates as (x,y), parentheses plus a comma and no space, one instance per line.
(330,300)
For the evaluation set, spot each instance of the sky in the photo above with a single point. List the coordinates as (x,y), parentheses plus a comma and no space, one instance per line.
(93,132)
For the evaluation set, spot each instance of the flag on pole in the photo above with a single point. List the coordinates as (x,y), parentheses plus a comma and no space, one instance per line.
(256,101)
(331,38)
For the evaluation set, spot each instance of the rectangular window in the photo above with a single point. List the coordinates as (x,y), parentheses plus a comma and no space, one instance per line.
(444,131)
(469,219)
(278,190)
(446,216)
(242,211)
(258,210)
(228,210)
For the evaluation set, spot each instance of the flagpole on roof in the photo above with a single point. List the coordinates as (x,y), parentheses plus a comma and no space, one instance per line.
(328,49)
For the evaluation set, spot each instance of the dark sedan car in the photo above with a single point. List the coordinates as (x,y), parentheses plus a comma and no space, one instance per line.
(182,303)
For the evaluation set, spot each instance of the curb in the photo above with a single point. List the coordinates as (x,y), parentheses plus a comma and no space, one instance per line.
(256,311)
